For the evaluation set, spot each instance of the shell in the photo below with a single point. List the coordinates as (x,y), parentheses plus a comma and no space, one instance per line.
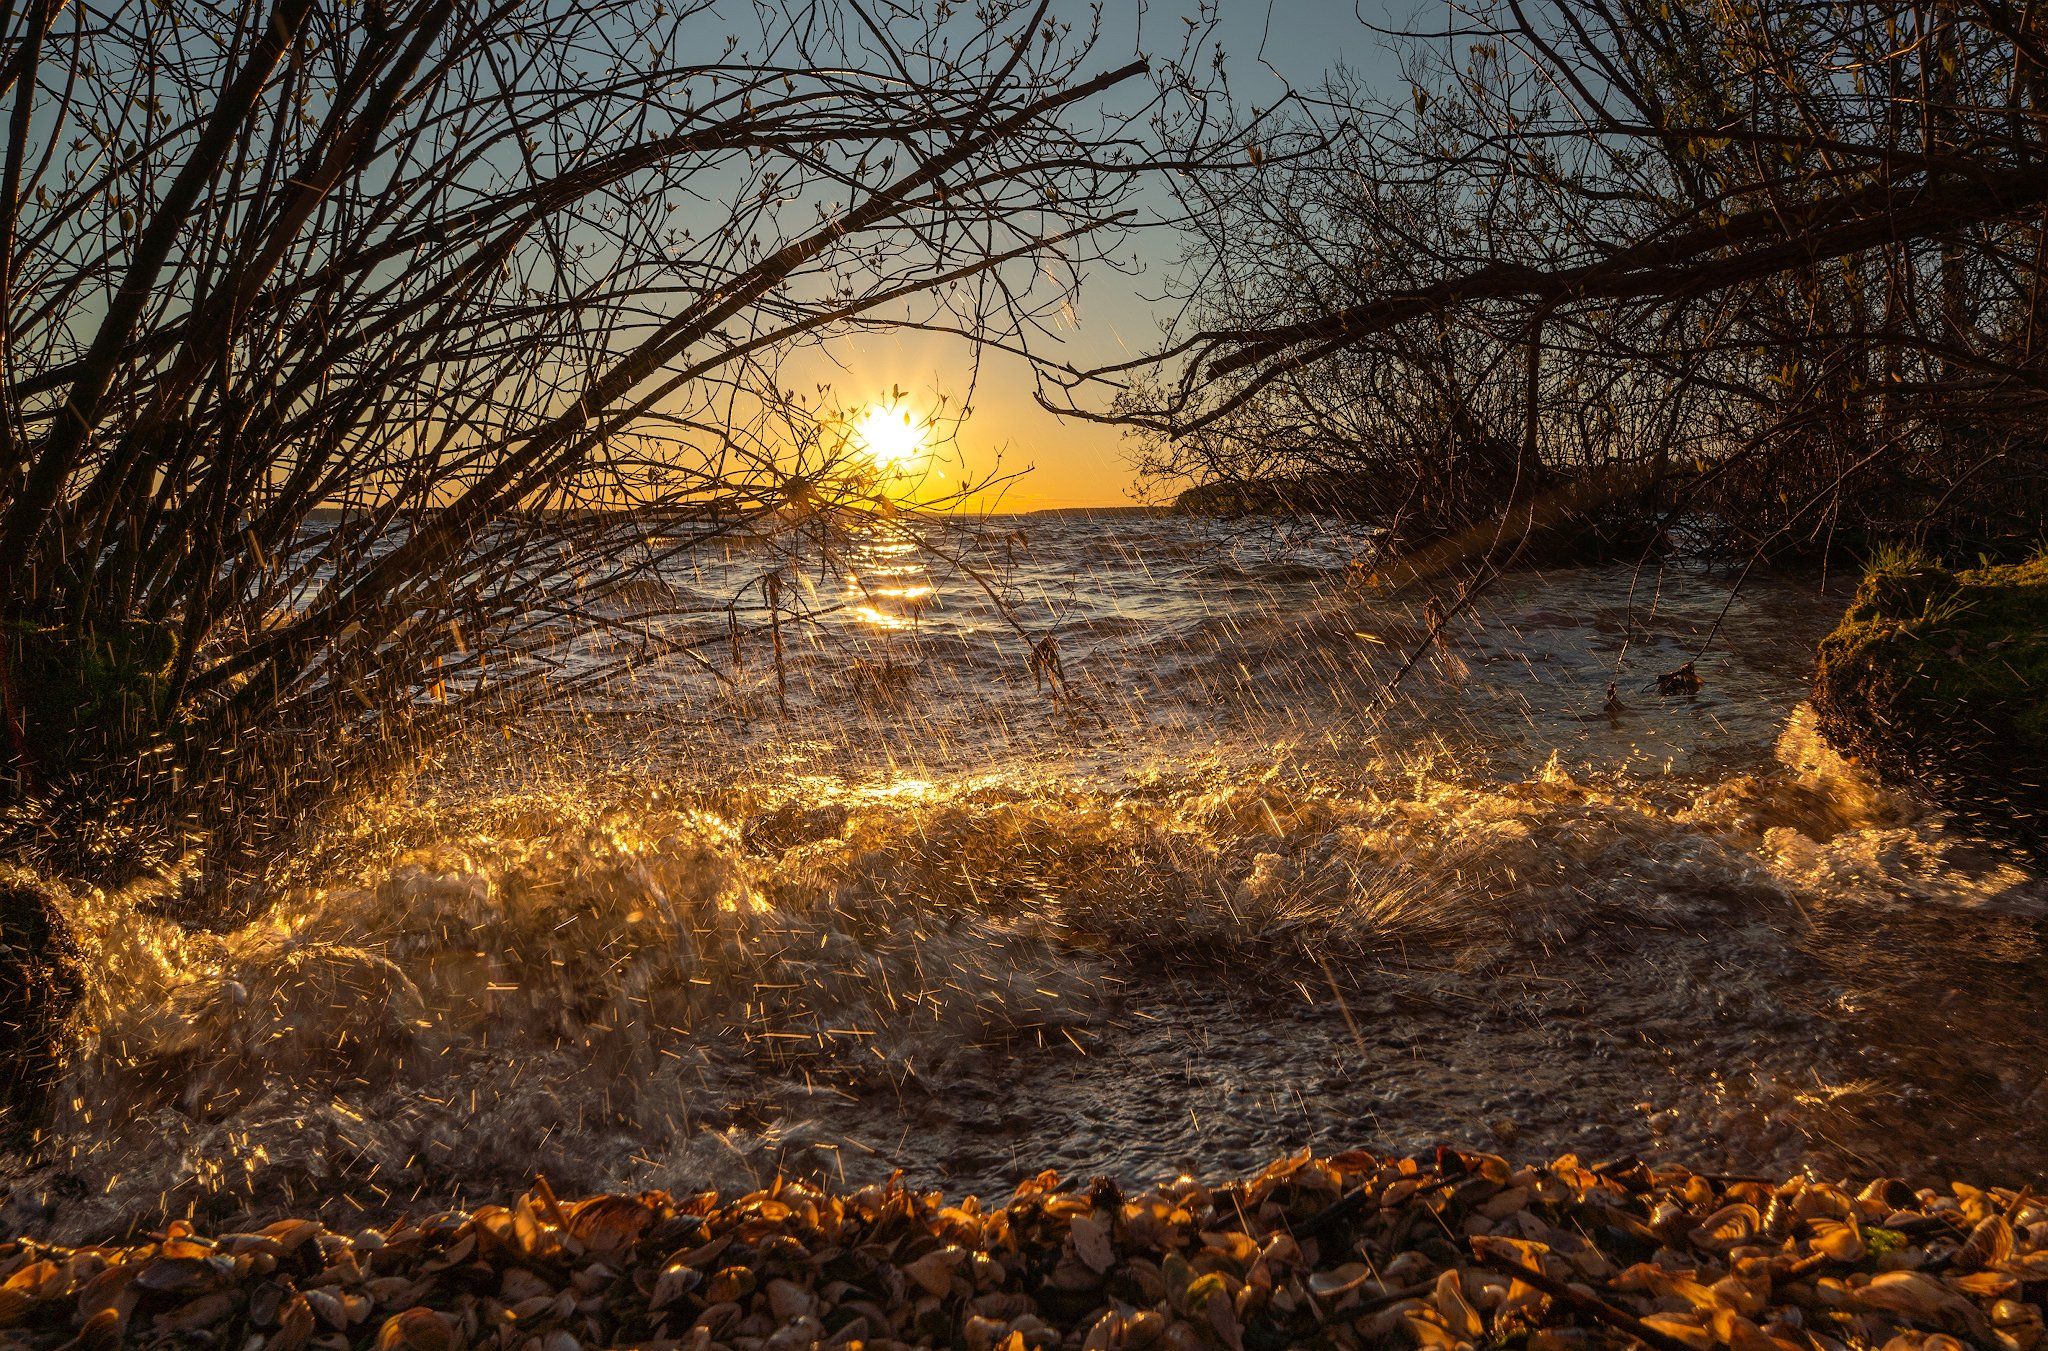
(1447,1251)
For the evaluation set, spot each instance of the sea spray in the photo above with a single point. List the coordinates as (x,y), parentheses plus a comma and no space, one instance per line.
(1195,913)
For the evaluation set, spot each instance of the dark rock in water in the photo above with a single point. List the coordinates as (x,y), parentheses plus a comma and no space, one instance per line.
(1939,680)
(41,980)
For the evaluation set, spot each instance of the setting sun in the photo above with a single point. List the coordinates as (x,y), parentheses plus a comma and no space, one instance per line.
(890,435)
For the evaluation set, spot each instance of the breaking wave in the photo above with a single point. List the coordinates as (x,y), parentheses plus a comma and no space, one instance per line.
(1181,928)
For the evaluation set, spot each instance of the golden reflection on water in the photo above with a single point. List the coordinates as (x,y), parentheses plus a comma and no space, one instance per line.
(887,588)
(881,619)
(901,789)
(585,972)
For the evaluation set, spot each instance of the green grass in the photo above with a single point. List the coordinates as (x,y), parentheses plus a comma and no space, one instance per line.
(1940,677)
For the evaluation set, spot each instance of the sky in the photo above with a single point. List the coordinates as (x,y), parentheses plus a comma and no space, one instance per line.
(1075,463)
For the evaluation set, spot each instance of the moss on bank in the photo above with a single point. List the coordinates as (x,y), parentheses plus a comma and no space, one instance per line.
(1939,679)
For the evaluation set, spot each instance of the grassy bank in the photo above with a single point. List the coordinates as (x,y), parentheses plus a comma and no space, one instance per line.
(1938,679)
(1438,1251)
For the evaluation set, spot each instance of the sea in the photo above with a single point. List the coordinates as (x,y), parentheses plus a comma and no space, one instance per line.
(1118,844)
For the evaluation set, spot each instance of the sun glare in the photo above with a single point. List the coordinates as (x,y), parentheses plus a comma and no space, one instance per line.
(890,435)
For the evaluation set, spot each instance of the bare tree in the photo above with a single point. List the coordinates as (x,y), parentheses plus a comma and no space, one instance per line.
(347,347)
(1779,261)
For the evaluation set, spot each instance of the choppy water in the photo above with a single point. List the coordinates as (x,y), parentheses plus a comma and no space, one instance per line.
(1219,899)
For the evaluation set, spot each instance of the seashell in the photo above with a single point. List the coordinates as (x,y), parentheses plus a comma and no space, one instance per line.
(1818,1200)
(610,1224)
(386,1289)
(1733,1330)
(1335,1284)
(704,1254)
(237,1245)
(110,1289)
(1733,1294)
(529,1231)
(1411,1266)
(101,1332)
(40,1279)
(294,1325)
(291,1234)
(717,1317)
(170,1275)
(419,1330)
(185,1245)
(729,1285)
(1458,1314)
(1728,1227)
(532,1307)
(959,1226)
(2031,1267)
(982,1333)
(934,1271)
(1908,1294)
(1986,1284)
(1222,1317)
(2017,1325)
(1088,1236)
(445,1225)
(1180,1266)
(518,1283)
(1506,1203)
(1487,1291)
(329,1307)
(1145,1328)
(1680,1329)
(1989,1243)
(1841,1240)
(1106,1333)
(264,1303)
(672,1284)
(1424,1332)
(789,1301)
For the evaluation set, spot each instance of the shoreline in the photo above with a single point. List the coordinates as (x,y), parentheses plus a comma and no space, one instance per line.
(1443,1249)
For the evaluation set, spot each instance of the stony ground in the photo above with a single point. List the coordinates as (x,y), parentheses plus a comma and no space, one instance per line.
(1445,1250)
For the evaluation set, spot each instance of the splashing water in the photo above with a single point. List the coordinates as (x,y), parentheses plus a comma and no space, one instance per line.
(1202,909)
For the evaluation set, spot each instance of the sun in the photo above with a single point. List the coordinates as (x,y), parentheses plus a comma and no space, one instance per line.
(890,435)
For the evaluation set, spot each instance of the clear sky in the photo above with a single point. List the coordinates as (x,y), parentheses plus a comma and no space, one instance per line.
(1076,463)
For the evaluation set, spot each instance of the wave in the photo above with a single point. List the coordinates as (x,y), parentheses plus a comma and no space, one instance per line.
(1268,572)
(624,980)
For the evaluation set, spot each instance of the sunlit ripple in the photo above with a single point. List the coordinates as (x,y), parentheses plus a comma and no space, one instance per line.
(620,953)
